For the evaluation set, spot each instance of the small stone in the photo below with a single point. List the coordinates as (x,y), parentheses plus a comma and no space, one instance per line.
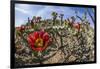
(72,58)
(56,58)
(27,50)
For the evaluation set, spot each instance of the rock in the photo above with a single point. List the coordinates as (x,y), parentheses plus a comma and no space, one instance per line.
(27,50)
(57,58)
(72,58)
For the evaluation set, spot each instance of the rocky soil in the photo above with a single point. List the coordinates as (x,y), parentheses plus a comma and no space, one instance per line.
(68,45)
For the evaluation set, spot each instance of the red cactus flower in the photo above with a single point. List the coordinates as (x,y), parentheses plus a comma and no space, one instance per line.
(77,26)
(38,40)
(22,27)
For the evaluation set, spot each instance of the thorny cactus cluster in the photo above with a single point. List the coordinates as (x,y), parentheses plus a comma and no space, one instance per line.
(53,41)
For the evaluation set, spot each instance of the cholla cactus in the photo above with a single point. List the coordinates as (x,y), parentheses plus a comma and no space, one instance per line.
(40,43)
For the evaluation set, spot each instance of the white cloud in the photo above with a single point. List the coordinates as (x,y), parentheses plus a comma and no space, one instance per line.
(25,6)
(47,10)
(44,12)
(21,10)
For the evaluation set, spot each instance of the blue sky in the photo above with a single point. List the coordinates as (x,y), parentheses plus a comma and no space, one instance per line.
(23,11)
